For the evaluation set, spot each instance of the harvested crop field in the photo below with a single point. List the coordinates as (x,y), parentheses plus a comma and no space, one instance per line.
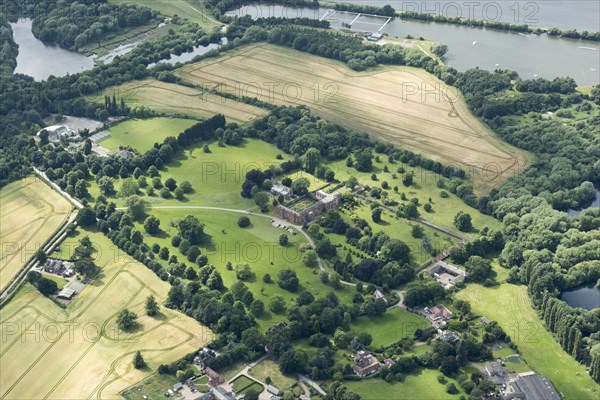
(401,105)
(173,99)
(30,212)
(78,352)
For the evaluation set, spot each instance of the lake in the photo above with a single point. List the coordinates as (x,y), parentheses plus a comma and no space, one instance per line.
(582,15)
(189,56)
(530,55)
(595,204)
(587,297)
(41,60)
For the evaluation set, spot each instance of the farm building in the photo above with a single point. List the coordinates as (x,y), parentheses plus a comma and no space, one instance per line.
(273,390)
(365,364)
(531,386)
(66,294)
(177,387)
(388,362)
(56,132)
(222,394)
(446,274)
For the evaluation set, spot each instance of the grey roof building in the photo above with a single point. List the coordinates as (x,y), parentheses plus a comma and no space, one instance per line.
(531,387)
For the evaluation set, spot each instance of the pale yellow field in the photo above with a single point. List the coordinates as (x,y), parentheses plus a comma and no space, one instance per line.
(30,212)
(402,105)
(78,352)
(171,98)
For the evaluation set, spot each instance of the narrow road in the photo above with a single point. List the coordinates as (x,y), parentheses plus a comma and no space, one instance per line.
(312,383)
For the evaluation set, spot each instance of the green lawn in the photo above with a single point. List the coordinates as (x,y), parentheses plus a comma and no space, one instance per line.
(268,368)
(256,245)
(141,134)
(423,188)
(389,327)
(241,383)
(60,281)
(511,307)
(400,228)
(422,385)
(194,10)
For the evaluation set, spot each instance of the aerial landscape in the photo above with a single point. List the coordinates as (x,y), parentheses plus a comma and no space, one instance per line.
(299,199)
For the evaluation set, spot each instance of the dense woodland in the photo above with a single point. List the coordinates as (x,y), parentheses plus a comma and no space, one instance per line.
(541,246)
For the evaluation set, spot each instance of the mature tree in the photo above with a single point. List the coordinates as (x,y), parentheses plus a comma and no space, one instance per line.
(311,160)
(215,281)
(85,266)
(243,272)
(376,214)
(293,361)
(288,280)
(363,161)
(106,185)
(81,190)
(152,225)
(300,186)
(251,394)
(186,186)
(463,221)
(243,221)
(478,269)
(86,217)
(129,187)
(136,207)
(408,179)
(171,184)
(126,320)
(395,250)
(179,194)
(257,308)
(283,240)
(190,228)
(261,199)
(138,361)
(417,231)
(151,306)
(277,304)
(310,258)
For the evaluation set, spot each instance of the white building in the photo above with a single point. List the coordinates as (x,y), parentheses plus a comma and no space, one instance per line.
(55,132)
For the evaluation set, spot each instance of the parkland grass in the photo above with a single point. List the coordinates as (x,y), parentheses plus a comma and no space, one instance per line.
(194,10)
(141,134)
(401,105)
(173,99)
(421,385)
(511,307)
(78,352)
(256,245)
(269,368)
(30,212)
(390,327)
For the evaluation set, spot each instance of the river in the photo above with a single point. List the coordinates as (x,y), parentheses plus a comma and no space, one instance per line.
(41,60)
(587,297)
(530,55)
